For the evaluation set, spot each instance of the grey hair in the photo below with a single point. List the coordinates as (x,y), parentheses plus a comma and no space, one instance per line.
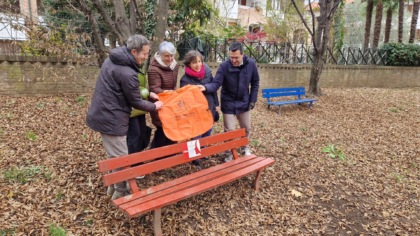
(137,42)
(167,47)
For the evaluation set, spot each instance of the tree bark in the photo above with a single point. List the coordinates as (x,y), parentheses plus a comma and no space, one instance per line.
(414,18)
(400,20)
(378,24)
(327,11)
(388,24)
(121,20)
(162,8)
(368,23)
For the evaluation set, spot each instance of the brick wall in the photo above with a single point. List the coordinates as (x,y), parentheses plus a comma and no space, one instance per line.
(21,75)
(41,75)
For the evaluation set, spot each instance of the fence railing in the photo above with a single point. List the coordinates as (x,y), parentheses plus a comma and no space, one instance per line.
(217,50)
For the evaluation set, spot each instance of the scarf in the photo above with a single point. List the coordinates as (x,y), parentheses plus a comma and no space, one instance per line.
(199,75)
(159,60)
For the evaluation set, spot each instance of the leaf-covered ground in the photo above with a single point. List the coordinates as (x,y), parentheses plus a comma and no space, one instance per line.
(49,179)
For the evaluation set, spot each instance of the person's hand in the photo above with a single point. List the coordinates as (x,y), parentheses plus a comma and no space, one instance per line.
(251,106)
(158,105)
(202,88)
(153,96)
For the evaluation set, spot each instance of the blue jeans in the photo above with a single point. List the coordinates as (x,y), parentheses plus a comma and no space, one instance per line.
(206,134)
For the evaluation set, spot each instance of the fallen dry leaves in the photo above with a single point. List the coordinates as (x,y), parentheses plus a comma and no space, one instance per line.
(49,173)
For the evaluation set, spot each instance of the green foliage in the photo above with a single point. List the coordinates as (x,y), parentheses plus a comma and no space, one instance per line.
(81,99)
(399,54)
(396,109)
(89,222)
(255,143)
(40,105)
(59,196)
(25,174)
(7,232)
(31,135)
(334,152)
(56,231)
(338,27)
(189,16)
(283,27)
(233,31)
(150,23)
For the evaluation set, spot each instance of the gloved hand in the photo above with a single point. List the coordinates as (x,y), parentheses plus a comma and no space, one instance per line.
(251,106)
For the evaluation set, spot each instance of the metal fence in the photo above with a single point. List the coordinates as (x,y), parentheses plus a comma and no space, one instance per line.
(217,50)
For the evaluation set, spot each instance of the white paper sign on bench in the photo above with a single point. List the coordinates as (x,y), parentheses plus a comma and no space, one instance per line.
(191,149)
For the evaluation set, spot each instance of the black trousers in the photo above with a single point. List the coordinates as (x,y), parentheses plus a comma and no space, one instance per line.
(160,139)
(138,135)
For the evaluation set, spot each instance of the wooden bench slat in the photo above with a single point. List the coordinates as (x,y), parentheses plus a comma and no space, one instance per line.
(185,182)
(165,163)
(148,155)
(185,193)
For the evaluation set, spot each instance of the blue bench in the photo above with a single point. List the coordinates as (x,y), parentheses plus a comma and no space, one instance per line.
(298,94)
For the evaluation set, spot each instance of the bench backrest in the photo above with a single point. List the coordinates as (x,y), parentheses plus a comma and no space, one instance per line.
(283,92)
(168,156)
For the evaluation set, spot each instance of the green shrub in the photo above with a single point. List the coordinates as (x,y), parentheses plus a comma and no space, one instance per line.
(56,231)
(399,54)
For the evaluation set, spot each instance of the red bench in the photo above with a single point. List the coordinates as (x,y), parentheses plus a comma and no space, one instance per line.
(154,198)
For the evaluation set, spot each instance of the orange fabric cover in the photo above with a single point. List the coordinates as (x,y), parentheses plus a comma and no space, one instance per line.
(185,113)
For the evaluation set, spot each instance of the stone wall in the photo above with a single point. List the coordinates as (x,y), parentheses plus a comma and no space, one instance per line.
(45,75)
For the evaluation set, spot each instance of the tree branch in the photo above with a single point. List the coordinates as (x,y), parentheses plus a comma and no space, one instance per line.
(108,20)
(302,18)
(337,2)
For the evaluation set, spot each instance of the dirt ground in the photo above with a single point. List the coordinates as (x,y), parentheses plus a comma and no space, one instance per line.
(49,179)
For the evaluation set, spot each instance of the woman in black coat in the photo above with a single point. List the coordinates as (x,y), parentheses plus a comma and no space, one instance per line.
(198,73)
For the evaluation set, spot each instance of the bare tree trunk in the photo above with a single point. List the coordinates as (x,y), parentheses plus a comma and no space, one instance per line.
(162,8)
(388,24)
(316,70)
(320,38)
(327,11)
(121,20)
(369,10)
(378,24)
(414,21)
(133,19)
(400,20)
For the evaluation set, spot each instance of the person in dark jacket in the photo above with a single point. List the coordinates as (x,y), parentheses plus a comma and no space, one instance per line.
(240,81)
(198,73)
(162,76)
(116,93)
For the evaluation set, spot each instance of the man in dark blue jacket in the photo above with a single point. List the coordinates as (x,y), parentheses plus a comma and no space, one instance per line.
(116,93)
(240,82)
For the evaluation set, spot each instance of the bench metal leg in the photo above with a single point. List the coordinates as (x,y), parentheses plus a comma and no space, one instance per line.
(310,105)
(279,110)
(157,228)
(256,181)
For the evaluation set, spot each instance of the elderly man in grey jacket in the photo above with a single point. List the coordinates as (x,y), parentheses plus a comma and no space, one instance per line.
(116,93)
